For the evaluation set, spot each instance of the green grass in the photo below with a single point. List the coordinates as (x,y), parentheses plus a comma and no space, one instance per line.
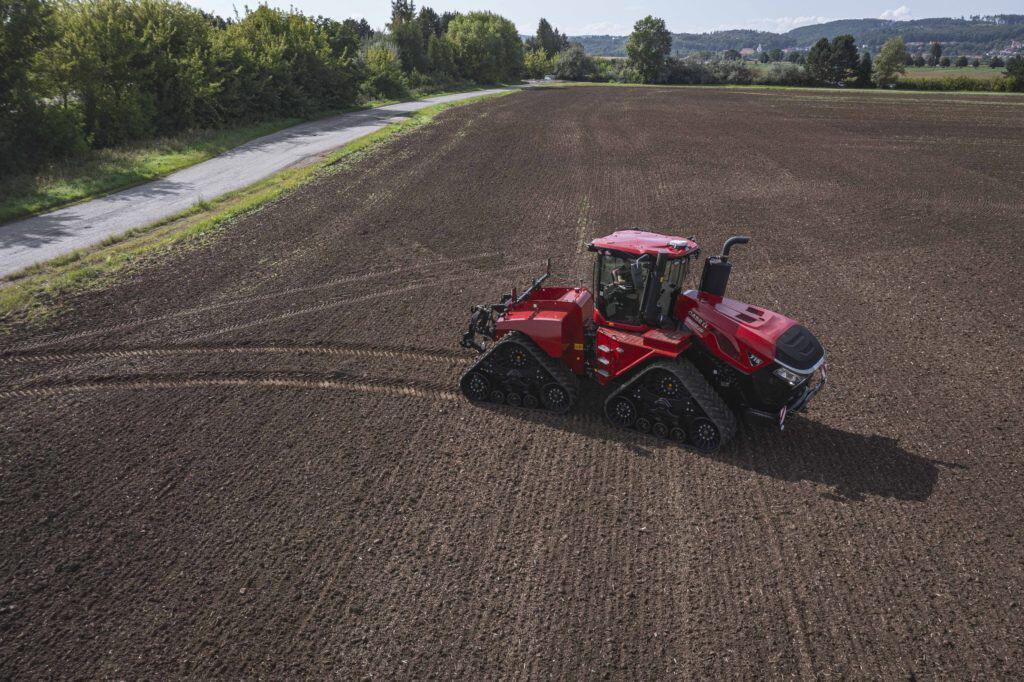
(102,171)
(982,72)
(41,289)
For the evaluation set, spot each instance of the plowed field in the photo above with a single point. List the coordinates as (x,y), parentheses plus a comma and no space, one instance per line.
(250,460)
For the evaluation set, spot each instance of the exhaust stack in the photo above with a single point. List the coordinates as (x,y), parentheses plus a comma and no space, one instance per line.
(715,277)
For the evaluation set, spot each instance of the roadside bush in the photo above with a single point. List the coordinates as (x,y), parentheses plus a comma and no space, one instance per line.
(573,64)
(536,63)
(383,74)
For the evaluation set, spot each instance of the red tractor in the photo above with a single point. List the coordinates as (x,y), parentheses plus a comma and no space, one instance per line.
(680,364)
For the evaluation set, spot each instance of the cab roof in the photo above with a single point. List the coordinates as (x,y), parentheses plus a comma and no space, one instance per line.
(640,242)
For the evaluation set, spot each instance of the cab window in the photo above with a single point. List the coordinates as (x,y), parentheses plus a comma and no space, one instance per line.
(619,300)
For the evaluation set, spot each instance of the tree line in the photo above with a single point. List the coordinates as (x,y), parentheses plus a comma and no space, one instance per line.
(79,74)
(833,63)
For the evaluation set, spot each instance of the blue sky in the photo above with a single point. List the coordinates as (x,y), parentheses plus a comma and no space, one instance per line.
(578,16)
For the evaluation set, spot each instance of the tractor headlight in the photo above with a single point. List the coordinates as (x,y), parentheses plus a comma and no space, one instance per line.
(790,377)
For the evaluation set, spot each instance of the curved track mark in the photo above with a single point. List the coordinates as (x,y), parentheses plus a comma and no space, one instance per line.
(131,353)
(328,305)
(50,339)
(358,386)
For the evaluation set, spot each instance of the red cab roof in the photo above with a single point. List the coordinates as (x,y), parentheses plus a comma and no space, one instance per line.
(641,242)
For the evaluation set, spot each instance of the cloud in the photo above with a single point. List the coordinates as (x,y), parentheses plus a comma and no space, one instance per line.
(781,24)
(901,13)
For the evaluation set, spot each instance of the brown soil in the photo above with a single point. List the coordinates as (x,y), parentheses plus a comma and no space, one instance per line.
(250,460)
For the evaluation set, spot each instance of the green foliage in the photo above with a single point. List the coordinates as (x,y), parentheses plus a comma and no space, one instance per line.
(536,63)
(548,39)
(955,84)
(864,68)
(775,55)
(76,74)
(934,53)
(32,126)
(961,61)
(819,58)
(441,56)
(649,47)
(891,62)
(486,46)
(1015,74)
(842,59)
(997,63)
(573,64)
(944,62)
(384,78)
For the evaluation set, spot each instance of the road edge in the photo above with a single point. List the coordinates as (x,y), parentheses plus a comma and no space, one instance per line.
(38,291)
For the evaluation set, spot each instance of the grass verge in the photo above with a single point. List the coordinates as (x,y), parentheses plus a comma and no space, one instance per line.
(35,292)
(102,171)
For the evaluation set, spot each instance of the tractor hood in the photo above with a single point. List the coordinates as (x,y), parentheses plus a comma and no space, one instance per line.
(748,336)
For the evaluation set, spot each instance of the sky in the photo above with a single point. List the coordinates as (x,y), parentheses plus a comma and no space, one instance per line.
(578,17)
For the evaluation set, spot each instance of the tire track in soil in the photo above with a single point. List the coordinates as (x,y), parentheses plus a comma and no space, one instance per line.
(51,339)
(169,351)
(207,382)
(329,305)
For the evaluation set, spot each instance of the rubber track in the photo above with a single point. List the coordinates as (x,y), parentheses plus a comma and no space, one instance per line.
(699,389)
(555,368)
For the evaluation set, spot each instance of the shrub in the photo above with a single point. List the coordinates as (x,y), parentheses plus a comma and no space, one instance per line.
(783,73)
(384,77)
(573,64)
(954,83)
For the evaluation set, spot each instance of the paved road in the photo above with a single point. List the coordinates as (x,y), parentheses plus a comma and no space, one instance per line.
(49,235)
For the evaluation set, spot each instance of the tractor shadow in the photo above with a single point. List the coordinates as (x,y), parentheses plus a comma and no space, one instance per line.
(855,466)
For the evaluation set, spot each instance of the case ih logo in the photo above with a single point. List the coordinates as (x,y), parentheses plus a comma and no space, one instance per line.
(696,322)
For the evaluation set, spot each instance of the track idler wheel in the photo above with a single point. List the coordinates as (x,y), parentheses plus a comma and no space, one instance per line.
(705,436)
(622,412)
(555,398)
(476,386)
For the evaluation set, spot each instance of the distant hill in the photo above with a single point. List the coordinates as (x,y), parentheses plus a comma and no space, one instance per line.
(974,35)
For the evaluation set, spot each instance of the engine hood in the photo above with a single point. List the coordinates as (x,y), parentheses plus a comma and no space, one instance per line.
(748,336)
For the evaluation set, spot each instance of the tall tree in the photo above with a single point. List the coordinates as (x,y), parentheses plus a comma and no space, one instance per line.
(402,11)
(934,54)
(486,46)
(892,61)
(1015,73)
(843,58)
(863,79)
(818,61)
(649,47)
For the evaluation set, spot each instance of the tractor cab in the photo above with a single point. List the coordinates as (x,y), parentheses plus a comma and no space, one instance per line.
(638,276)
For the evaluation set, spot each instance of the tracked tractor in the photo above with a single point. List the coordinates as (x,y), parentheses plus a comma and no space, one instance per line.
(680,364)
